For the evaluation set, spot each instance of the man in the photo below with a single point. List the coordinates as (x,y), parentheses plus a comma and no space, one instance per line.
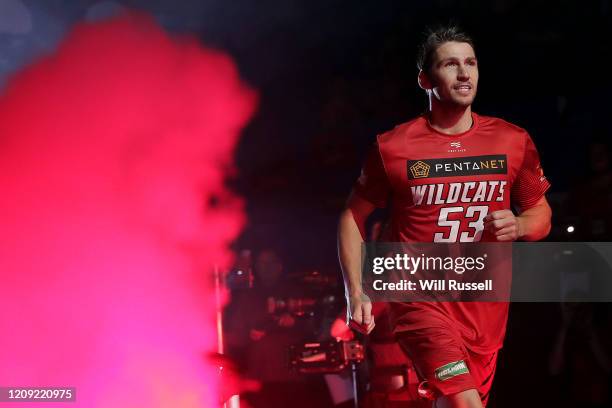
(443,204)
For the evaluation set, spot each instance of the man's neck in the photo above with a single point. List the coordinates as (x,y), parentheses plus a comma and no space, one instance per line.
(450,121)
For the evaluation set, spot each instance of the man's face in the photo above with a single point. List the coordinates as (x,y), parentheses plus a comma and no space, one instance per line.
(453,77)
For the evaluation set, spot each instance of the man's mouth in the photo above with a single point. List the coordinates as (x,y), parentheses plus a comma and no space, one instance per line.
(463,88)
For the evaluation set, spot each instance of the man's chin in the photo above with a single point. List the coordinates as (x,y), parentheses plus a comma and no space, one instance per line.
(457,101)
(462,102)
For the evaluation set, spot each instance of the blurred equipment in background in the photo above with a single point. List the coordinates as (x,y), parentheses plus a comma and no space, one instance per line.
(300,306)
(325,357)
(329,357)
(288,332)
(241,275)
(268,313)
(389,376)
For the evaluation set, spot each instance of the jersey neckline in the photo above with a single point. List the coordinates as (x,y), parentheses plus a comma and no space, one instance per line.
(475,123)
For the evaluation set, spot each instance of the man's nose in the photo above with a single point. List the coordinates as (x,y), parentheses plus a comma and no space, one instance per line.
(462,73)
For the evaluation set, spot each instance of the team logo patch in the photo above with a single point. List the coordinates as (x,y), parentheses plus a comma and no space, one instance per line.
(419,169)
(456,147)
(458,166)
(451,370)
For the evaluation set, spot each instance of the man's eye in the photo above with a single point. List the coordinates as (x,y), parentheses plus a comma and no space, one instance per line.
(450,64)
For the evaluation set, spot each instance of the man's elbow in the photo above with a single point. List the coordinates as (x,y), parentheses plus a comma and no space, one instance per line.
(545,231)
(537,234)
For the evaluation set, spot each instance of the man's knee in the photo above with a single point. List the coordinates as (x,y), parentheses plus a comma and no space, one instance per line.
(463,399)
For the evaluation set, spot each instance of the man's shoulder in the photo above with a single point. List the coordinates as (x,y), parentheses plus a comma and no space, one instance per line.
(500,125)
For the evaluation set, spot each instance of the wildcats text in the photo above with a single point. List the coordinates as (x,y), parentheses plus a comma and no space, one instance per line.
(464,192)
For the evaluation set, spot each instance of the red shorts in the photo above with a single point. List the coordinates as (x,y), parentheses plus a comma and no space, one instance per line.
(441,358)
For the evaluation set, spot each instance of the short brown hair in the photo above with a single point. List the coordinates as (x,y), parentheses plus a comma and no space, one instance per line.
(434,38)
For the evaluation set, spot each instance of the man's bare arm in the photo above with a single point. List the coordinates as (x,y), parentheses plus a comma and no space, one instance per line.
(534,223)
(531,225)
(350,229)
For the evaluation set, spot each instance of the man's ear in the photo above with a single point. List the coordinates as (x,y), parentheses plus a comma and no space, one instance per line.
(424,81)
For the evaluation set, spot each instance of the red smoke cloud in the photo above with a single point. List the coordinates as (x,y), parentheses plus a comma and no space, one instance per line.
(113,154)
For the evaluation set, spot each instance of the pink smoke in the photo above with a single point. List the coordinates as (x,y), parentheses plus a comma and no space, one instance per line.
(113,211)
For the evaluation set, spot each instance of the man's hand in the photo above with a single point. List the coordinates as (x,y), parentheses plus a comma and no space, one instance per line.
(504,225)
(359,313)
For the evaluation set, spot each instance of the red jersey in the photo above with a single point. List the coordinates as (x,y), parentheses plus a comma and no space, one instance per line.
(440,187)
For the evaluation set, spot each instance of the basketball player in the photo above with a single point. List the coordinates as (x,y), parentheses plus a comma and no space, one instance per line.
(449,175)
